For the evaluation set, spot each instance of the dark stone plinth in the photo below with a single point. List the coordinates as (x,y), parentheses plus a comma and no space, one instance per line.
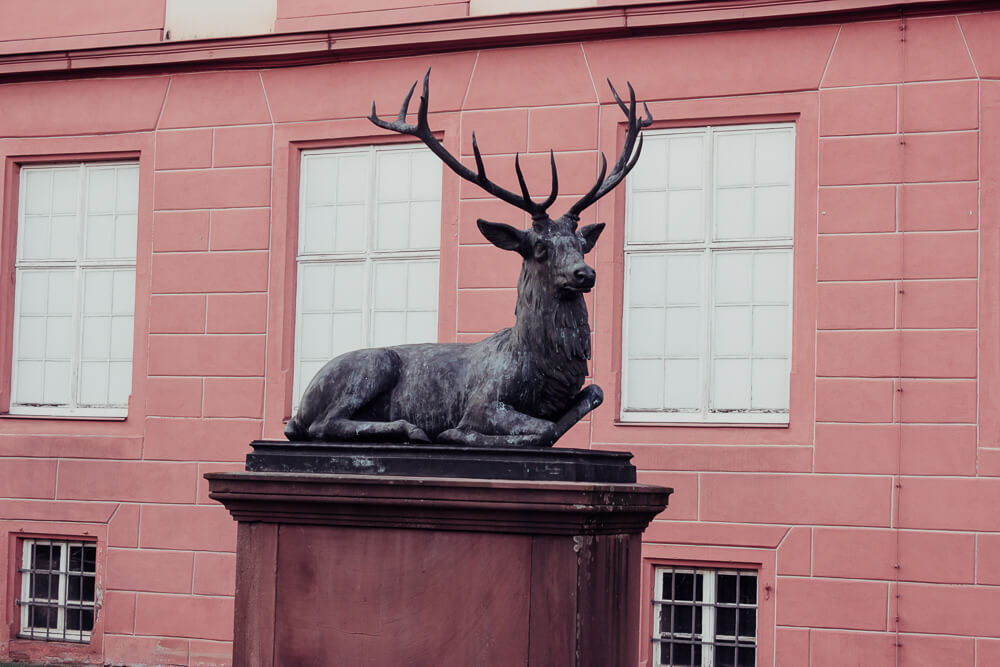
(557,464)
(368,571)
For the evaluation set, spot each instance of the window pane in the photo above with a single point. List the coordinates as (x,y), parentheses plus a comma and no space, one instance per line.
(682,384)
(748,622)
(425,225)
(393,169)
(30,382)
(680,654)
(734,158)
(683,619)
(645,385)
(686,161)
(66,190)
(725,622)
(348,286)
(646,332)
(392,226)
(63,241)
(35,234)
(425,172)
(733,277)
(650,172)
(725,656)
(731,384)
(318,229)
(772,212)
(732,331)
(647,280)
(684,586)
(316,285)
(734,213)
(748,587)
(352,179)
(770,276)
(388,328)
(349,228)
(648,220)
(726,588)
(101,182)
(685,216)
(770,331)
(100,236)
(127,200)
(421,286)
(684,278)
(390,285)
(320,172)
(42,617)
(37,198)
(774,157)
(125,236)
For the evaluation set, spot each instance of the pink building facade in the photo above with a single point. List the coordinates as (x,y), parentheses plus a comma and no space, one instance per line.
(842,449)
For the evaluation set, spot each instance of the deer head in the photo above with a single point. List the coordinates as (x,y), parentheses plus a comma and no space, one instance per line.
(553,250)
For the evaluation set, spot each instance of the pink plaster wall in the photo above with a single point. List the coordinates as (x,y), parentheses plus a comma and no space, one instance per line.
(872,516)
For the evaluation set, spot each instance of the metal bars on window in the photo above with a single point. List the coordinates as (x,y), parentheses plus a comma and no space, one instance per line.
(57,601)
(704,618)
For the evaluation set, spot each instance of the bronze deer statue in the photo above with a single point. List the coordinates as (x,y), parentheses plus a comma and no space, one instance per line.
(520,387)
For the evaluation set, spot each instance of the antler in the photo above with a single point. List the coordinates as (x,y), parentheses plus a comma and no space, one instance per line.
(423,132)
(627,159)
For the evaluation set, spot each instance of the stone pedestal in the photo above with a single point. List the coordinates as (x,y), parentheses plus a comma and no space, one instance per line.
(379,570)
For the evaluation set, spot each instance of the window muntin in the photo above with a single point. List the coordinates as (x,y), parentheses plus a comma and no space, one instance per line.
(57,590)
(369,243)
(708,266)
(704,617)
(74,296)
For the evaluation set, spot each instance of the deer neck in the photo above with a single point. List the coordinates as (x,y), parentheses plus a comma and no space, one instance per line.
(553,329)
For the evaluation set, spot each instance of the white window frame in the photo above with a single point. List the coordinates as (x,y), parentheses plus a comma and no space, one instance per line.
(80,266)
(706,608)
(708,248)
(61,601)
(369,257)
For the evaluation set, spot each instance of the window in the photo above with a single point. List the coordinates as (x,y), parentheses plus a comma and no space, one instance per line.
(708,266)
(57,590)
(704,617)
(74,289)
(369,240)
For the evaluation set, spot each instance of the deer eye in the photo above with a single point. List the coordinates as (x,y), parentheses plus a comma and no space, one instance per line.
(541,251)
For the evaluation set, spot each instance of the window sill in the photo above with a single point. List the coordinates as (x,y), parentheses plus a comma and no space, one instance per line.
(701,424)
(65,417)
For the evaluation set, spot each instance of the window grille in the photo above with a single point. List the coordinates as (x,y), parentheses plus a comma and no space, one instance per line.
(704,618)
(369,243)
(708,276)
(57,590)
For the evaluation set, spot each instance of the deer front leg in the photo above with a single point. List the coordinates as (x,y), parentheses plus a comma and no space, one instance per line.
(589,398)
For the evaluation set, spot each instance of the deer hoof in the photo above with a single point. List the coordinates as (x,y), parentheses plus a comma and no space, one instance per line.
(416,434)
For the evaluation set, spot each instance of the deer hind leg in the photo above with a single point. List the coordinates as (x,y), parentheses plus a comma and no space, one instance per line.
(345,387)
(500,426)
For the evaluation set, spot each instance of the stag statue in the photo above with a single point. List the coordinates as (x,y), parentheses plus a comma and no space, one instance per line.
(521,387)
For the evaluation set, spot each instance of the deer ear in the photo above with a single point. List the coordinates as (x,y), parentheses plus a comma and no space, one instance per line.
(502,236)
(590,234)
